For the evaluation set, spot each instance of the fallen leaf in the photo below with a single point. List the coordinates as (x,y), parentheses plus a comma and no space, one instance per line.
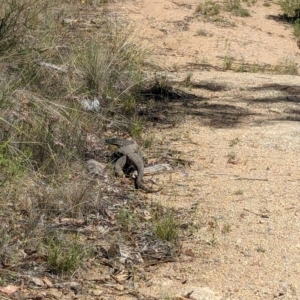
(189,252)
(9,289)
(37,281)
(55,293)
(96,292)
(47,282)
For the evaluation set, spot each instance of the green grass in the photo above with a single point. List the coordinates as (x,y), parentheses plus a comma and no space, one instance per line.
(63,255)
(287,67)
(238,192)
(125,218)
(214,8)
(209,8)
(291,8)
(296,27)
(234,142)
(166,228)
(236,8)
(227,62)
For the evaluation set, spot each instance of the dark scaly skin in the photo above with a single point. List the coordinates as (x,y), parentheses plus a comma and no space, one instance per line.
(131,154)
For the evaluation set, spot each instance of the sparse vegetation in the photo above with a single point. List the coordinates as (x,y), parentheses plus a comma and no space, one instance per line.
(213,241)
(73,74)
(148,141)
(202,32)
(296,26)
(260,249)
(226,228)
(227,63)
(125,218)
(291,8)
(65,83)
(209,8)
(266,4)
(214,8)
(236,8)
(238,192)
(231,156)
(166,228)
(286,66)
(234,142)
(64,255)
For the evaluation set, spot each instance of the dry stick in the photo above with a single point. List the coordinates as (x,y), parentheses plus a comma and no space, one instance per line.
(153,263)
(237,178)
(250,178)
(214,174)
(259,215)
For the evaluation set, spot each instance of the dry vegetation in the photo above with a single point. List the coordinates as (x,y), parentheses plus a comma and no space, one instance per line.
(70,73)
(69,76)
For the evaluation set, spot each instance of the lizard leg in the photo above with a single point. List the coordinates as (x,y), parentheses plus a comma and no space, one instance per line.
(119,165)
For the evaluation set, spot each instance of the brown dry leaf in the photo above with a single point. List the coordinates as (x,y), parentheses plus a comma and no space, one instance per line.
(55,293)
(189,252)
(37,281)
(96,292)
(47,282)
(234,162)
(119,287)
(9,289)
(121,277)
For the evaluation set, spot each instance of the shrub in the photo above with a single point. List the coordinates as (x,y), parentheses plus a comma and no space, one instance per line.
(291,8)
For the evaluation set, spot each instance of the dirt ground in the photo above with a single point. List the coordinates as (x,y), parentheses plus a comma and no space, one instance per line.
(243,135)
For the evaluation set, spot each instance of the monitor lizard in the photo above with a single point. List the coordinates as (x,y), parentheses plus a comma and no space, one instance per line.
(130,154)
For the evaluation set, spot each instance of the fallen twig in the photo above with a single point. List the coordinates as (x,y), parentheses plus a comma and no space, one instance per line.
(259,215)
(154,263)
(250,178)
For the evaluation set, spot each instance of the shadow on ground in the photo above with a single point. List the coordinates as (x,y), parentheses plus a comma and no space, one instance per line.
(229,112)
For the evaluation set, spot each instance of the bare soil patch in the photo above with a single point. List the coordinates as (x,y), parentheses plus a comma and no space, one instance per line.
(244,143)
(185,41)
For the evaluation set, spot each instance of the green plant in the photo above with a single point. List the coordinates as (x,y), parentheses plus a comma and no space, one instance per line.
(12,161)
(286,66)
(231,155)
(226,228)
(209,8)
(233,142)
(136,127)
(166,228)
(242,68)
(212,241)
(242,12)
(227,62)
(148,141)
(176,67)
(17,19)
(125,218)
(291,8)
(260,249)
(110,62)
(128,105)
(238,192)
(266,4)
(187,82)
(236,7)
(202,32)
(64,255)
(296,27)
